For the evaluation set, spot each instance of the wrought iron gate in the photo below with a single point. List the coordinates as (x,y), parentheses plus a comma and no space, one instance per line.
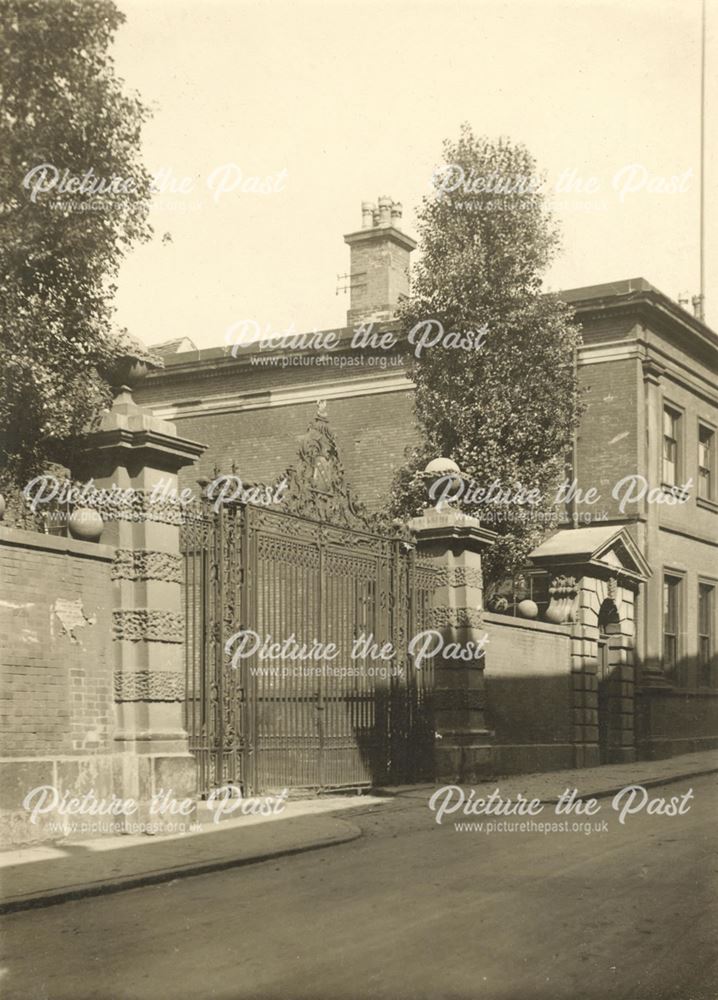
(270,703)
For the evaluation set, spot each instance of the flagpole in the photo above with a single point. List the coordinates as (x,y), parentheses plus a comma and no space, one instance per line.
(701,309)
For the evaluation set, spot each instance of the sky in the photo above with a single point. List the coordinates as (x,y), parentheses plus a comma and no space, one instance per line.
(273,121)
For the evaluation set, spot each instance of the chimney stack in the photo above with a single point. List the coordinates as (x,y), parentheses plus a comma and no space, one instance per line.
(379,263)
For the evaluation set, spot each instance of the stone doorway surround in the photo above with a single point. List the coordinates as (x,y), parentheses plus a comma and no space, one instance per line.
(595,575)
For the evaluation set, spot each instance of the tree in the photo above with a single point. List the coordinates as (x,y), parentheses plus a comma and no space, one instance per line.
(505,411)
(74,197)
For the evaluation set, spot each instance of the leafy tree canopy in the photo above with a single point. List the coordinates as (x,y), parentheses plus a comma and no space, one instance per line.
(64,117)
(505,412)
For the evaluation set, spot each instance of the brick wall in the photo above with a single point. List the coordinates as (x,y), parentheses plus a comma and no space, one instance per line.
(607,443)
(384,269)
(55,621)
(372,433)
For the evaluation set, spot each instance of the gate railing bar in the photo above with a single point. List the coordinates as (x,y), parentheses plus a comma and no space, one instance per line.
(248,577)
(206,727)
(322,635)
(219,647)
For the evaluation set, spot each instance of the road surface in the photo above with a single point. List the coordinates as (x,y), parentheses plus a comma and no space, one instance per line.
(412,910)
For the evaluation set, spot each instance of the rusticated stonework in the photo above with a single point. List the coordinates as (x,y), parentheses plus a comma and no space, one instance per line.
(133,505)
(443,617)
(146,564)
(151,626)
(458,576)
(149,685)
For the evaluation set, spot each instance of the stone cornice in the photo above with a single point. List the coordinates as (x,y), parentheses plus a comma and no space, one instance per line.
(351,386)
(451,528)
(652,306)
(643,303)
(379,234)
(218,360)
(154,447)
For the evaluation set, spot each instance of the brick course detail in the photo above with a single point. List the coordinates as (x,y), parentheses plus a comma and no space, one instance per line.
(56,692)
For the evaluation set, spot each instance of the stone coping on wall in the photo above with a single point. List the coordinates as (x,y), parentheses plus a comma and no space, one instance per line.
(675,692)
(491,618)
(20,538)
(83,755)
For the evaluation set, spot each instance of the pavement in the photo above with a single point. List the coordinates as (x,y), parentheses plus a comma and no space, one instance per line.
(411,910)
(72,868)
(43,875)
(594,782)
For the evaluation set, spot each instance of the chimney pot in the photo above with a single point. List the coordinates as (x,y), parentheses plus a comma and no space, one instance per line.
(385,204)
(367,214)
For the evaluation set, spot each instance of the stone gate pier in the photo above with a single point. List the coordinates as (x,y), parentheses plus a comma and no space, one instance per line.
(453,543)
(141,455)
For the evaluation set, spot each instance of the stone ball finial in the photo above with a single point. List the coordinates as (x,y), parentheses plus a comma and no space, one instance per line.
(441,468)
(85,524)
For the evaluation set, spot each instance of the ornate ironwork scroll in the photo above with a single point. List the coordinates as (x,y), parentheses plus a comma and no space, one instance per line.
(313,572)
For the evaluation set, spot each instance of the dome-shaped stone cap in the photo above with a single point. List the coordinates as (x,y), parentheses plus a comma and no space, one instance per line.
(441,467)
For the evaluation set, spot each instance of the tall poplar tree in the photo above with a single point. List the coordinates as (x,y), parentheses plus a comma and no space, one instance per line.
(505,412)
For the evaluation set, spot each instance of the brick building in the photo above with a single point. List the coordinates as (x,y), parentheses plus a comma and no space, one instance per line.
(617,662)
(648,368)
